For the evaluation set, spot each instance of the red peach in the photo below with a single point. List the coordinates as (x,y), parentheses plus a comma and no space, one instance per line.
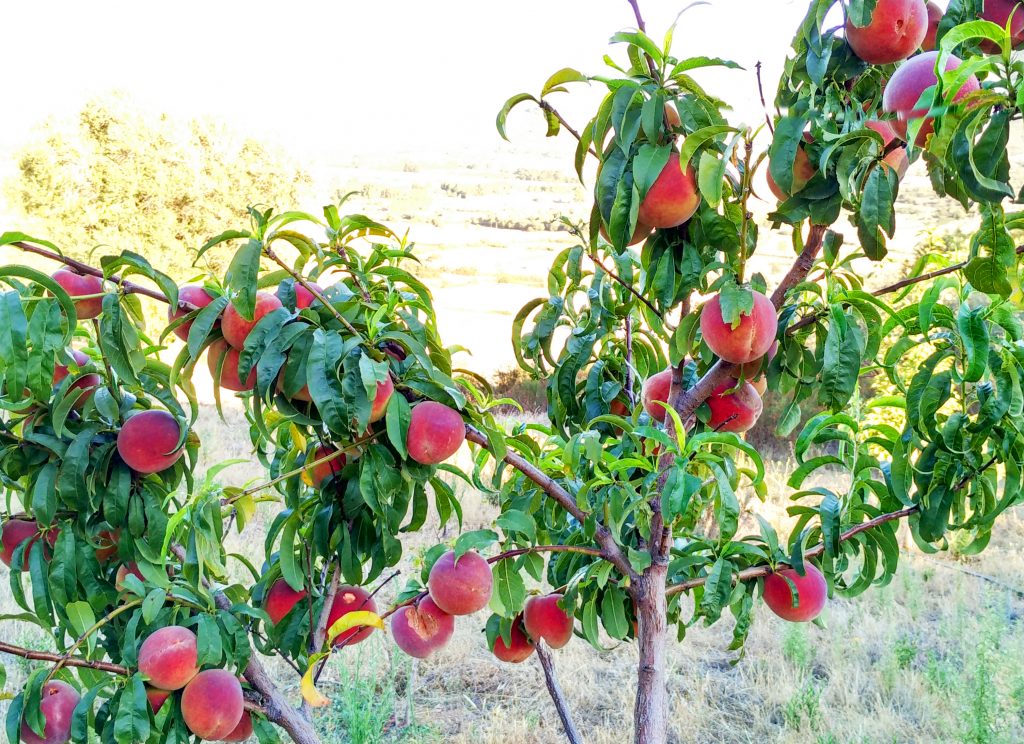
(229,379)
(672,116)
(435,432)
(243,730)
(302,394)
(618,408)
(280,600)
(906,85)
(170,657)
(88,382)
(654,391)
(544,619)
(379,406)
(57,706)
(460,587)
(897,159)
(351,599)
(745,342)
(15,532)
(105,543)
(734,408)
(422,629)
(194,295)
(811,593)
(519,648)
(316,475)
(156,698)
(935,14)
(147,441)
(998,12)
(895,31)
(236,328)
(303,297)
(80,285)
(212,704)
(672,198)
(123,571)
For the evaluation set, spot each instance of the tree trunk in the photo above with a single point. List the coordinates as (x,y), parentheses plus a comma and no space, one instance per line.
(651,711)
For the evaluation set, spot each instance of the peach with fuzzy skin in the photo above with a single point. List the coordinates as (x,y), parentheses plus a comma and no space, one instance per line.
(897,159)
(906,85)
(236,328)
(811,593)
(105,542)
(156,698)
(280,600)
(895,31)
(303,297)
(734,408)
(147,441)
(301,394)
(519,648)
(229,379)
(170,657)
(88,382)
(640,233)
(803,171)
(545,620)
(654,391)
(57,706)
(460,587)
(318,474)
(422,628)
(15,532)
(673,197)
(998,12)
(435,432)
(749,340)
(212,704)
(80,285)
(193,294)
(935,14)
(351,599)
(243,730)
(379,407)
(123,571)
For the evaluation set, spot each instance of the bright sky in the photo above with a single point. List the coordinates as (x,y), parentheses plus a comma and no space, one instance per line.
(342,76)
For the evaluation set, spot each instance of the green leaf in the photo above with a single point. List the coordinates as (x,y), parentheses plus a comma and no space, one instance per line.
(242,278)
(476,540)
(509,591)
(507,107)
(131,722)
(565,75)
(514,520)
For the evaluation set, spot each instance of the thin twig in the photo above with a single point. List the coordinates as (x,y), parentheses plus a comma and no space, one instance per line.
(548,108)
(311,289)
(627,285)
(572,734)
(764,104)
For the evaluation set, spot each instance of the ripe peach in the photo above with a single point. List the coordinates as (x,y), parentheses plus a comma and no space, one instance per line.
(316,475)
(895,31)
(301,394)
(544,619)
(935,14)
(280,600)
(57,706)
(435,432)
(123,571)
(618,408)
(351,599)
(236,328)
(79,285)
(380,400)
(672,116)
(672,198)
(460,587)
(422,629)
(640,233)
(998,12)
(803,171)
(654,391)
(897,159)
(734,408)
(170,657)
(303,297)
(105,542)
(243,730)
(745,342)
(194,295)
(156,698)
(15,532)
(519,648)
(147,440)
(906,85)
(756,372)
(811,593)
(212,704)
(88,382)
(229,379)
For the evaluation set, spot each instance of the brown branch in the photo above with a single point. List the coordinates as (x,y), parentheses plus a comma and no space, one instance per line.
(83,268)
(70,661)
(572,734)
(627,285)
(610,550)
(310,288)
(764,104)
(548,108)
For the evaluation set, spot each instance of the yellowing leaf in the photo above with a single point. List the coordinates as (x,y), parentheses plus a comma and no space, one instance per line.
(350,620)
(298,439)
(310,694)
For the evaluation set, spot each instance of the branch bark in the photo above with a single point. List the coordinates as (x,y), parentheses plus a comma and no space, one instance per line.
(572,734)
(650,714)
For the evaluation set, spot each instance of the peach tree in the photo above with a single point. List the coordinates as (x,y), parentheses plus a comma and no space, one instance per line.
(657,343)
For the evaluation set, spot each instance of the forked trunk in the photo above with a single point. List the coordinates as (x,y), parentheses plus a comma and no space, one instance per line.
(651,712)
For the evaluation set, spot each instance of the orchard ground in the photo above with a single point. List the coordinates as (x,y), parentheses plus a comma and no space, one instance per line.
(934,657)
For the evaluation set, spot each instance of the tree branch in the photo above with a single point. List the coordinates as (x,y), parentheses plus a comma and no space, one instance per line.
(627,285)
(557,697)
(310,288)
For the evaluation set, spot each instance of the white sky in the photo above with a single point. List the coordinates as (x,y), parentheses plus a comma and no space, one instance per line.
(341,76)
